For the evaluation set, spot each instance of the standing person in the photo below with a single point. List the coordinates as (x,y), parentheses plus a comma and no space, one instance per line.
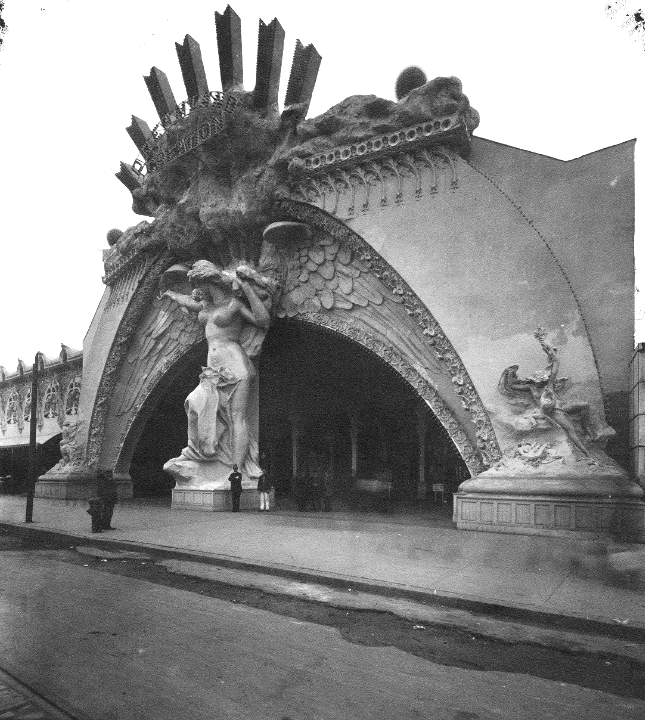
(106,490)
(264,488)
(235,478)
(327,492)
(315,490)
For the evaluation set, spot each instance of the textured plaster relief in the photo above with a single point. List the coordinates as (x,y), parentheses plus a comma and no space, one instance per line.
(558,440)
(352,293)
(213,178)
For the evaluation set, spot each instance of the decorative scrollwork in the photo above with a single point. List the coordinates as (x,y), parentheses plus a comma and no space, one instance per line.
(137,304)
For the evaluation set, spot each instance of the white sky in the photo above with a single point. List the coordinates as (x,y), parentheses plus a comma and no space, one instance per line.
(557,77)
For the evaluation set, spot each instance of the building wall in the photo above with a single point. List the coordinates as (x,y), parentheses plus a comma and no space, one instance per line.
(522,241)
(637,415)
(59,389)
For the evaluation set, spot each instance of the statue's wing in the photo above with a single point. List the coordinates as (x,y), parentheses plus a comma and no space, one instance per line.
(159,335)
(323,274)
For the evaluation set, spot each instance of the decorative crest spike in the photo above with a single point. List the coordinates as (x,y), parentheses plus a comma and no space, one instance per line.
(269,64)
(161,94)
(304,71)
(140,133)
(129,176)
(192,69)
(229,48)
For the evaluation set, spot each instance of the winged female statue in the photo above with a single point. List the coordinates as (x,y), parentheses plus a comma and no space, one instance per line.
(233,306)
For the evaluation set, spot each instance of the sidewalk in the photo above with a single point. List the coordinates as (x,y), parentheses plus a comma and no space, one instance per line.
(420,555)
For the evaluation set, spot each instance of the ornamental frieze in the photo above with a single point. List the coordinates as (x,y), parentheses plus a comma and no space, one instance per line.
(375,183)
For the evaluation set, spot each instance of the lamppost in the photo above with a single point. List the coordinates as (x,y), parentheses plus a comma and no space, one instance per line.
(31,476)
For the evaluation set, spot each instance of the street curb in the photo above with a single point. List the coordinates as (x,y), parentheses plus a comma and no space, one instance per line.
(40,703)
(497,611)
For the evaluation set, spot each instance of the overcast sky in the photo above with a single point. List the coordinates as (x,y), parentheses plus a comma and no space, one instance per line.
(559,77)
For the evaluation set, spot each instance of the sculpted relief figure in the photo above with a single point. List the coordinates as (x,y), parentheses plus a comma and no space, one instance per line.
(547,409)
(233,306)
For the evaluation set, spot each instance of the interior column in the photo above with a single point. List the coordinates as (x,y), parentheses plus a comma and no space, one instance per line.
(422,427)
(353,420)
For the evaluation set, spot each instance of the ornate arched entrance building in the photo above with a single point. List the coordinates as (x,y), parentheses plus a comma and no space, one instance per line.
(491,286)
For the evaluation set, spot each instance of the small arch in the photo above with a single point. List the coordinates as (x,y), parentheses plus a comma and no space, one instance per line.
(13,408)
(73,396)
(50,403)
(26,407)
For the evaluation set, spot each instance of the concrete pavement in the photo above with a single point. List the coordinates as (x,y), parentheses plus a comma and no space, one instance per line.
(109,647)
(418,554)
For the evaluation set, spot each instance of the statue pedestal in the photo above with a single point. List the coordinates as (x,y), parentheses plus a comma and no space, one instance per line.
(570,495)
(215,500)
(205,486)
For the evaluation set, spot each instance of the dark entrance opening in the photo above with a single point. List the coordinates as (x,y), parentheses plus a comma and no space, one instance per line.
(326,400)
(165,432)
(323,399)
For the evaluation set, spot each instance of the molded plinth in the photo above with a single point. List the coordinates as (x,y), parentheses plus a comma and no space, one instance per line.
(548,514)
(215,500)
(78,490)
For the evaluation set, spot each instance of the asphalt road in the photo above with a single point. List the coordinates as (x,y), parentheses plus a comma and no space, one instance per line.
(107,639)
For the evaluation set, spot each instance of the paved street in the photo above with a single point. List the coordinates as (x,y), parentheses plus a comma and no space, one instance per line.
(107,646)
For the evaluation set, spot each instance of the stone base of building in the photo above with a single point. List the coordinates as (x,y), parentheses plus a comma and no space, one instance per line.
(550,515)
(216,500)
(70,490)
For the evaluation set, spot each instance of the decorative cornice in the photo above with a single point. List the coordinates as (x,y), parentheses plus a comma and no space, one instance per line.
(433,335)
(116,265)
(450,131)
(360,176)
(51,367)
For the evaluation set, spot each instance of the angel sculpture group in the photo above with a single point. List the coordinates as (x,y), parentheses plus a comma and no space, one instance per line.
(233,306)
(540,392)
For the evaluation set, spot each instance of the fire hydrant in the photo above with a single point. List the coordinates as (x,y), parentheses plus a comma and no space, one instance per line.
(96,513)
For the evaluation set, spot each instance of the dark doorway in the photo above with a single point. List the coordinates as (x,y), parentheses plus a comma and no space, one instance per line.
(324,387)
(325,396)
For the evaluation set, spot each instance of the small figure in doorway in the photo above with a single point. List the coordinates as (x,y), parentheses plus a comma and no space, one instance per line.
(315,490)
(235,478)
(264,488)
(327,493)
(299,485)
(106,490)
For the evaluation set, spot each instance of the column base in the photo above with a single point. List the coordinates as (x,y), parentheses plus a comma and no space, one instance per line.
(538,514)
(78,490)
(215,500)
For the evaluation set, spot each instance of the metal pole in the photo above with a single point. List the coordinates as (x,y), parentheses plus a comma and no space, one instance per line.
(31,477)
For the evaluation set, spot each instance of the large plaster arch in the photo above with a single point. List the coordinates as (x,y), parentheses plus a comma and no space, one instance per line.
(356,333)
(415,346)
